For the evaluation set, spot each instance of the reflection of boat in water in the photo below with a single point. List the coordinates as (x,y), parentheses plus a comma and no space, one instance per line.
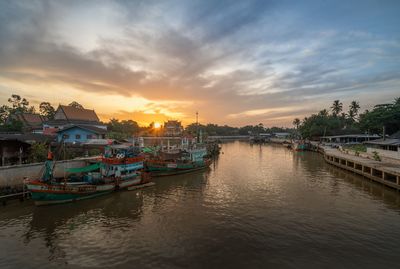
(117,171)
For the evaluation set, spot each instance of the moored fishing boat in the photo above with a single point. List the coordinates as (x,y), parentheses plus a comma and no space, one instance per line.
(300,145)
(178,162)
(109,174)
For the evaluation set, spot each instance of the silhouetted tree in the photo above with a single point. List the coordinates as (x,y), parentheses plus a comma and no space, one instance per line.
(336,107)
(76,105)
(47,110)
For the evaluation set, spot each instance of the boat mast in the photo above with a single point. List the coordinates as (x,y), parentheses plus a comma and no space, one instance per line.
(197,126)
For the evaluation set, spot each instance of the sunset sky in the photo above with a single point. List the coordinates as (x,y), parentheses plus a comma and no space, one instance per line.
(236,62)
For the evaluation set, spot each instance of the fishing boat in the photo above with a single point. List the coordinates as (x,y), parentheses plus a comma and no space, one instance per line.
(108,174)
(300,145)
(180,162)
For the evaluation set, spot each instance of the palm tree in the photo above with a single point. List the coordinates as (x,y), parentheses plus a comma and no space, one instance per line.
(296,122)
(336,107)
(397,101)
(353,109)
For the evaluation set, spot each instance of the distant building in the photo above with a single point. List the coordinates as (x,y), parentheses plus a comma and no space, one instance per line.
(31,122)
(80,133)
(348,139)
(282,135)
(14,148)
(67,116)
(386,147)
(173,128)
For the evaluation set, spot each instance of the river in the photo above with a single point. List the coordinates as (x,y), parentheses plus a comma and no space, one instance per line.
(258,206)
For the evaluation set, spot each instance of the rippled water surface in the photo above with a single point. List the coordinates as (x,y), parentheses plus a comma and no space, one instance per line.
(257,207)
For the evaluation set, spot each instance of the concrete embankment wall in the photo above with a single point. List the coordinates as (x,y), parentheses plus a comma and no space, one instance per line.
(13,176)
(382,172)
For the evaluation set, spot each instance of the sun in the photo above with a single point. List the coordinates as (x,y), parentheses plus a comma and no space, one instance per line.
(157,125)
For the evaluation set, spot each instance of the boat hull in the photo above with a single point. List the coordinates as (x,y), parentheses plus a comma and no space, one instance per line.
(47,194)
(44,194)
(170,169)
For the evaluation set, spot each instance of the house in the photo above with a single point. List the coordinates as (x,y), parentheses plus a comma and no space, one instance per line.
(348,139)
(80,133)
(31,122)
(173,128)
(14,148)
(67,116)
(386,147)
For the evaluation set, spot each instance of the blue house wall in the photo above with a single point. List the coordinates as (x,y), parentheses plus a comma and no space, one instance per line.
(76,134)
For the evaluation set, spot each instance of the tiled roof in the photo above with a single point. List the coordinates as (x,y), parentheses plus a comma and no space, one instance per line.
(84,127)
(69,122)
(73,113)
(30,119)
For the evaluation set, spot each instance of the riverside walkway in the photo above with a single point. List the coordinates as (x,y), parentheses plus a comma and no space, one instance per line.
(382,172)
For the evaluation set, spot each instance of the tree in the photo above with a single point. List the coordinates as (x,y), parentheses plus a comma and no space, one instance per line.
(384,115)
(19,104)
(76,105)
(353,110)
(323,113)
(336,107)
(122,129)
(47,110)
(37,152)
(4,113)
(296,122)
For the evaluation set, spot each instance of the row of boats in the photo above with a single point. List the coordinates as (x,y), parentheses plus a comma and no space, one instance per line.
(118,169)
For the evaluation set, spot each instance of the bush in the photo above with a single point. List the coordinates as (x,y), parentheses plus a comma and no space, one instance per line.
(37,153)
(376,156)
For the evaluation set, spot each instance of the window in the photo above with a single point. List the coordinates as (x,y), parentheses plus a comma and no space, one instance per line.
(65,136)
(89,136)
(78,136)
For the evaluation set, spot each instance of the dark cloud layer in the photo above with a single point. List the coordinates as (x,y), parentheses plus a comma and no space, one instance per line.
(239,62)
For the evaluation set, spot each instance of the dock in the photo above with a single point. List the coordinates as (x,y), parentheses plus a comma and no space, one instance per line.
(382,172)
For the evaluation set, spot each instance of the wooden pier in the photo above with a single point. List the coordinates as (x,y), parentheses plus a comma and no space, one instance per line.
(385,173)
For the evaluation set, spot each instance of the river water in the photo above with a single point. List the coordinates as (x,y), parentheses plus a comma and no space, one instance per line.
(257,207)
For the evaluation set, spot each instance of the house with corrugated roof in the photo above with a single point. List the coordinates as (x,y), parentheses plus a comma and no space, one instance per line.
(80,133)
(387,146)
(68,116)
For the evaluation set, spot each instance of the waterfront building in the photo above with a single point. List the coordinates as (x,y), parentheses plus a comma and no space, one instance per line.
(282,135)
(173,128)
(67,116)
(80,133)
(348,139)
(386,147)
(14,148)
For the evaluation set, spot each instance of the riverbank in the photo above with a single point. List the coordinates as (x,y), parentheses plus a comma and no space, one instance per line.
(386,173)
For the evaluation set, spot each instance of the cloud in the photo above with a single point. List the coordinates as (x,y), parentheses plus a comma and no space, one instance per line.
(235,62)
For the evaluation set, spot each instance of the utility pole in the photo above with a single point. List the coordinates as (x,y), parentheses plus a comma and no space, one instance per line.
(384,132)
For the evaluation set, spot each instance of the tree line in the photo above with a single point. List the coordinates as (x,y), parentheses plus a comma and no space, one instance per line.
(118,129)
(17,104)
(336,121)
